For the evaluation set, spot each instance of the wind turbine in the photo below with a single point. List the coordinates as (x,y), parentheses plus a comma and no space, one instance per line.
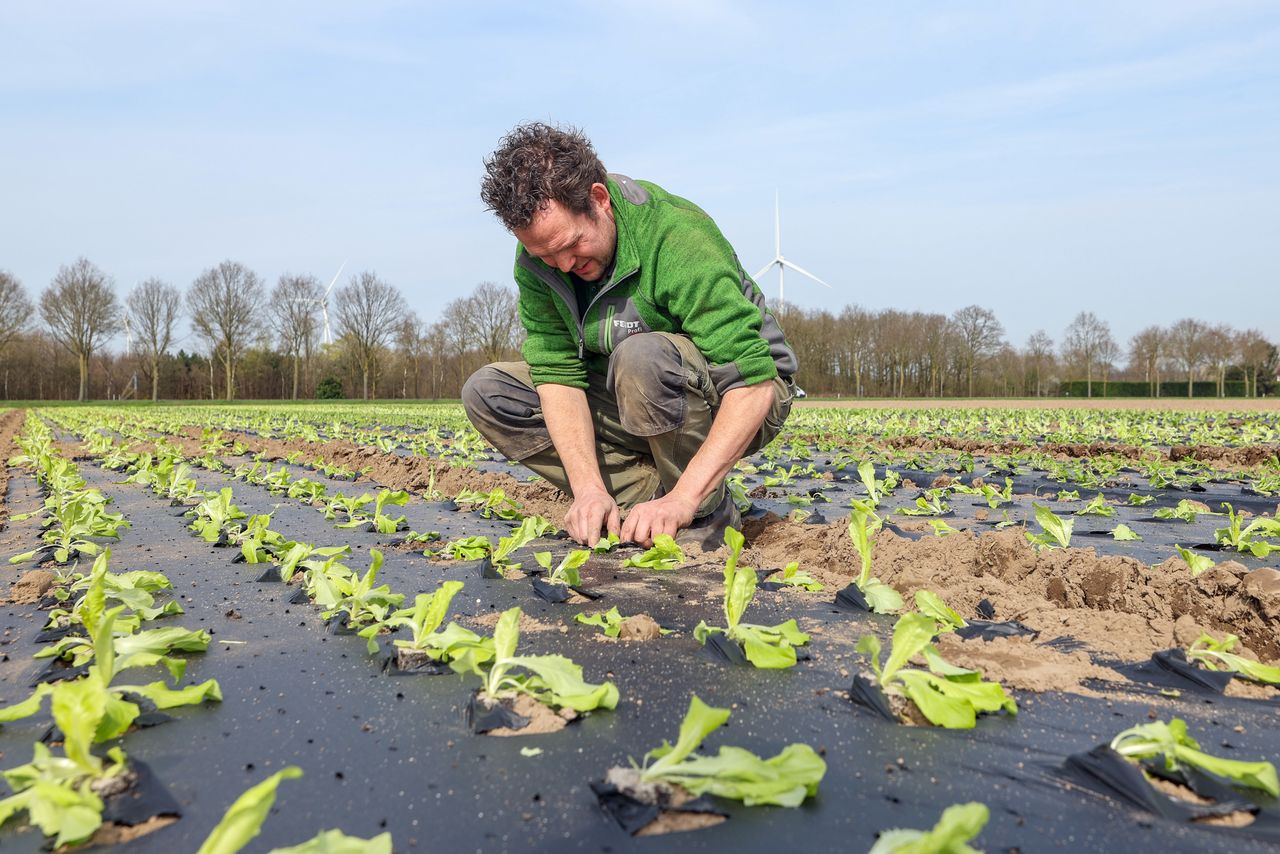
(324,304)
(781,262)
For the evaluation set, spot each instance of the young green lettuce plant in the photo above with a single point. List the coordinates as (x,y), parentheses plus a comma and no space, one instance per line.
(665,554)
(1055,532)
(783,780)
(565,572)
(423,620)
(959,824)
(383,523)
(863,523)
(1213,654)
(62,795)
(1250,539)
(1170,742)
(243,821)
(1196,563)
(359,597)
(767,647)
(947,696)
(553,680)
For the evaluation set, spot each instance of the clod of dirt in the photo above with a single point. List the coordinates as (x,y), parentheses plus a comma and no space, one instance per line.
(640,627)
(1017,662)
(627,781)
(908,713)
(28,589)
(1239,818)
(542,719)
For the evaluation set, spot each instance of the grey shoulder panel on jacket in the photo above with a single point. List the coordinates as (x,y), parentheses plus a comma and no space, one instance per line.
(631,191)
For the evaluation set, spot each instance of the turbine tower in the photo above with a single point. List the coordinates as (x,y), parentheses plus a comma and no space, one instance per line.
(781,262)
(324,304)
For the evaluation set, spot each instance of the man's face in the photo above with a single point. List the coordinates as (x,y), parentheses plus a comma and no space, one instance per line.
(573,242)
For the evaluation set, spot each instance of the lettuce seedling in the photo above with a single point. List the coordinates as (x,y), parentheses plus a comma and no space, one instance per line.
(243,821)
(385,524)
(876,489)
(566,572)
(552,680)
(308,557)
(360,597)
(958,825)
(784,780)
(1171,741)
(863,523)
(1124,533)
(770,647)
(929,504)
(1247,540)
(61,794)
(610,621)
(793,577)
(352,506)
(1137,500)
(1097,506)
(1217,655)
(948,696)
(1055,532)
(1185,510)
(423,620)
(931,604)
(606,544)
(665,554)
(215,514)
(491,504)
(466,548)
(1196,563)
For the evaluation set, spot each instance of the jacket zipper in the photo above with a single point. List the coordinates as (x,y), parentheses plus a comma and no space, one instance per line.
(570,299)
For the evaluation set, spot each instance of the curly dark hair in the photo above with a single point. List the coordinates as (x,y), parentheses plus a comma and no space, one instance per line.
(536,163)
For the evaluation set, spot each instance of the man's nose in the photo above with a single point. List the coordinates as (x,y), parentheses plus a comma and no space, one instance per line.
(565,263)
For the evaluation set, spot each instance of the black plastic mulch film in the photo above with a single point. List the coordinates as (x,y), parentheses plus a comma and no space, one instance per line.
(398,754)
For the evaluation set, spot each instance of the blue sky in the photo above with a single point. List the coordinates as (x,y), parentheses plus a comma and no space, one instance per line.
(1038,158)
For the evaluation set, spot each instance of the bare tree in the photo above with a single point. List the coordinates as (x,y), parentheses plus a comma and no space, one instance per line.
(81,309)
(368,311)
(978,335)
(224,302)
(295,310)
(411,338)
(1083,341)
(1039,356)
(1108,353)
(1145,349)
(153,309)
(1186,341)
(15,315)
(1220,349)
(1257,355)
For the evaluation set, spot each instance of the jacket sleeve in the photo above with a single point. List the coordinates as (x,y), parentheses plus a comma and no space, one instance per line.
(550,347)
(704,288)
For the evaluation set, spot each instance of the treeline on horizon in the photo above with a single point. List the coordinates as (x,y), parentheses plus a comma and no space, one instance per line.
(252,341)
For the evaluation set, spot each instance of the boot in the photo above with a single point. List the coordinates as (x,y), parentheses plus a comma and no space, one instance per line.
(707,532)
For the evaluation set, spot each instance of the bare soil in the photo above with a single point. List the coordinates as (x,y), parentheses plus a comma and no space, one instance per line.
(119,834)
(1239,818)
(1179,404)
(10,427)
(627,781)
(640,627)
(32,585)
(1116,605)
(542,719)
(1018,662)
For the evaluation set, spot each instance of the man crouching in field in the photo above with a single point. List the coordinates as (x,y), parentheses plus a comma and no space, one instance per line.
(651,364)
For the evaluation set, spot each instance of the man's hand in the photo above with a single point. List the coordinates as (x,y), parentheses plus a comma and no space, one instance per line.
(591,510)
(665,515)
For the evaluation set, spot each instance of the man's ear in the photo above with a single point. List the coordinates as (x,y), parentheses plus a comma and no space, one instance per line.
(600,195)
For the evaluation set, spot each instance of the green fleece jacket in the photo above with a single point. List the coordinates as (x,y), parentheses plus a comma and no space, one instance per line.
(673,272)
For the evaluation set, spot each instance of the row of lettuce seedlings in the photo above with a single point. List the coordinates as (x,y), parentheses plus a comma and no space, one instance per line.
(943,694)
(97,631)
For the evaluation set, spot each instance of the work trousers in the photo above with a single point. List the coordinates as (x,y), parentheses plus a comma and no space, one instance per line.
(651,414)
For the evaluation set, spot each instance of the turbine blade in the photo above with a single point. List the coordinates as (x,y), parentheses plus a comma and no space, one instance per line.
(335,279)
(802,271)
(767,268)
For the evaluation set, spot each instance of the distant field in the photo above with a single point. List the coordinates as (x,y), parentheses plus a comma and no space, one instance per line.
(1210,404)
